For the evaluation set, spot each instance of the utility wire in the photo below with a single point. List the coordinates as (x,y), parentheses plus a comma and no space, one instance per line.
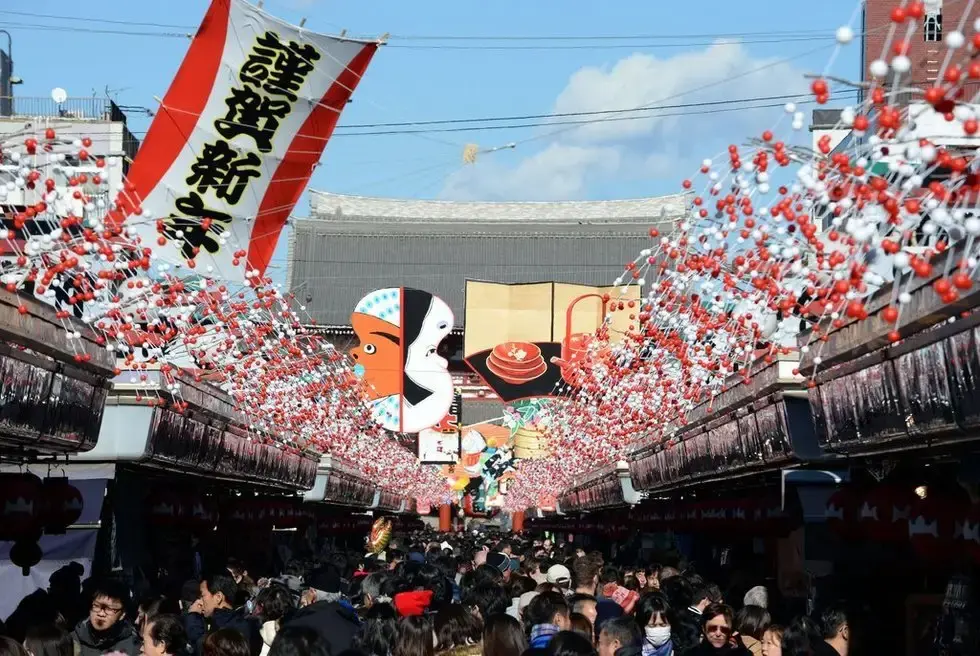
(609,46)
(721,106)
(595,43)
(524,117)
(90,30)
(482,128)
(86,19)
(464,37)
(598,37)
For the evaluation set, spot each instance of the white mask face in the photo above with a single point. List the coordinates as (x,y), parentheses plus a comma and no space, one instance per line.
(657,635)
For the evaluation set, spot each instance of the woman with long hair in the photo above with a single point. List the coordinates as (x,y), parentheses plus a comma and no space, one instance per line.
(751,623)
(503,636)
(379,630)
(415,637)
(458,631)
(653,615)
(10,647)
(48,640)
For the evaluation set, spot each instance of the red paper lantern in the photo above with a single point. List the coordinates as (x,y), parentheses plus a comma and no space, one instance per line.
(164,507)
(20,505)
(740,514)
(969,535)
(841,513)
(932,526)
(202,512)
(63,505)
(239,513)
(884,515)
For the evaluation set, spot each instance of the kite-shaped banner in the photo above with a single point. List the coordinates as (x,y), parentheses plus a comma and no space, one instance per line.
(236,139)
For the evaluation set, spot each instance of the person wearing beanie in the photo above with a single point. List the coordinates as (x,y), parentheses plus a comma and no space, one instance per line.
(500,562)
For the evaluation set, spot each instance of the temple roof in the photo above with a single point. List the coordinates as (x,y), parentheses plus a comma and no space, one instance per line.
(338,208)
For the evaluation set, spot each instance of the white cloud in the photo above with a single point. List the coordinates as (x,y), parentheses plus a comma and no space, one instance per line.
(720,72)
(663,144)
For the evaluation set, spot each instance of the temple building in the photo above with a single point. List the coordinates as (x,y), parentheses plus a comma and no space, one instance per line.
(351,245)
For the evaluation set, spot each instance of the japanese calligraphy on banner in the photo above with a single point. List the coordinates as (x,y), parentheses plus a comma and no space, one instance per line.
(237,137)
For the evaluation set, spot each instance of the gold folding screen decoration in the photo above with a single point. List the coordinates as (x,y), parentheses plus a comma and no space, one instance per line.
(501,312)
(515,333)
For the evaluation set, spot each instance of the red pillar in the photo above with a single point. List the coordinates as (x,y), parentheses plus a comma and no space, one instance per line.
(445,518)
(517,522)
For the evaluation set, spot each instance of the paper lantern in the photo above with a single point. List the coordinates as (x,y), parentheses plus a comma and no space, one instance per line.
(884,514)
(62,506)
(20,505)
(841,513)
(25,554)
(164,507)
(969,534)
(932,526)
(202,512)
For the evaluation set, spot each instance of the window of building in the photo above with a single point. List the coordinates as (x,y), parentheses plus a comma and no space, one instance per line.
(933,26)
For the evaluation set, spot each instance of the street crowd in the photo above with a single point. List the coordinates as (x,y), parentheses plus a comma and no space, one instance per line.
(426,595)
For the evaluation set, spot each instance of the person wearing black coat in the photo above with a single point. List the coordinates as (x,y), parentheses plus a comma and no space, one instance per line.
(335,622)
(217,593)
(326,611)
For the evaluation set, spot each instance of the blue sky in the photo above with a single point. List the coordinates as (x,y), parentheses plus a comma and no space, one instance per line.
(410,83)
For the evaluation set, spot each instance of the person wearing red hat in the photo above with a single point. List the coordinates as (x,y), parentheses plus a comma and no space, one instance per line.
(410,604)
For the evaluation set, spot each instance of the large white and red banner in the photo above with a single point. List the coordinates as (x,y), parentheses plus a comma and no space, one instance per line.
(237,137)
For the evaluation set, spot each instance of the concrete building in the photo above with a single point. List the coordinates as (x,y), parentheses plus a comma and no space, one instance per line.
(99,119)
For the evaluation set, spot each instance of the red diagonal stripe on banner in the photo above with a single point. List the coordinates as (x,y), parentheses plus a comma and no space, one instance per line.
(293,173)
(188,93)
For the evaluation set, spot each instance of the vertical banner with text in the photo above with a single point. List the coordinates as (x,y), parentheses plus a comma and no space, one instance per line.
(236,139)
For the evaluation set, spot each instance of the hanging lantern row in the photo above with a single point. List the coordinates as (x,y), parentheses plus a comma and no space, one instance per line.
(200,512)
(755,517)
(937,527)
(30,506)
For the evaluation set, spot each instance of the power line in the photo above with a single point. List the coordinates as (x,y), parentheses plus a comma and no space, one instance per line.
(608,46)
(90,30)
(482,128)
(86,19)
(524,117)
(721,106)
(597,37)
(471,46)
(464,37)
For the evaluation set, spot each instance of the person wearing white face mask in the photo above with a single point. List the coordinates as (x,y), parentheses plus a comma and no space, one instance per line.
(652,615)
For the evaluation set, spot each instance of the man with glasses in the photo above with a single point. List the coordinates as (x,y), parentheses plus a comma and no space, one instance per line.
(106,629)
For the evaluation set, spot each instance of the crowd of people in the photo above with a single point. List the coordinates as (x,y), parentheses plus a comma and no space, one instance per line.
(480,595)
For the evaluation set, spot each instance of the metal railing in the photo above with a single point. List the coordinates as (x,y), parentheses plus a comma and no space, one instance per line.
(97,109)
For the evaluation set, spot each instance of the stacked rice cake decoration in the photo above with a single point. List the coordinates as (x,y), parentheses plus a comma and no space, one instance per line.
(531,443)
